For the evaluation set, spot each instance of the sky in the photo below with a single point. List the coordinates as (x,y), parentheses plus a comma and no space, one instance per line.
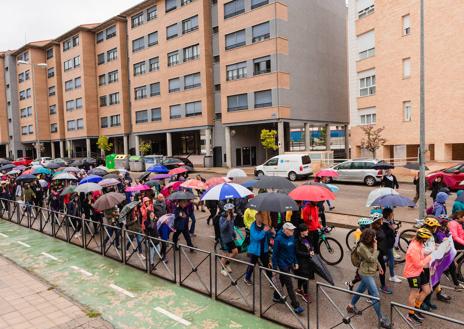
(24,21)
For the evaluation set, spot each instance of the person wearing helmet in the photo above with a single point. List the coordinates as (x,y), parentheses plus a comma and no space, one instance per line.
(377,223)
(226,227)
(416,261)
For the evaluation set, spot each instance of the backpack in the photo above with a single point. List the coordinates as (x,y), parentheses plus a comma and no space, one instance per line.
(355,258)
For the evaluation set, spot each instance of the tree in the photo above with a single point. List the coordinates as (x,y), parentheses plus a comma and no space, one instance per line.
(104,145)
(144,148)
(373,139)
(268,140)
(322,135)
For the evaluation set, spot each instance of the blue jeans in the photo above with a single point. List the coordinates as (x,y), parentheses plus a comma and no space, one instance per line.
(391,262)
(368,282)
(138,238)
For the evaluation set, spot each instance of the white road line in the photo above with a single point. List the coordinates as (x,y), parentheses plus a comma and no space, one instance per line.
(23,244)
(49,256)
(4,235)
(122,291)
(78,269)
(172,316)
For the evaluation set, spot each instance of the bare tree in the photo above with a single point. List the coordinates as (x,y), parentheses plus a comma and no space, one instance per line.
(373,139)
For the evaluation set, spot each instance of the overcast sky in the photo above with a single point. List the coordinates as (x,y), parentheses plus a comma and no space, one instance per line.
(31,20)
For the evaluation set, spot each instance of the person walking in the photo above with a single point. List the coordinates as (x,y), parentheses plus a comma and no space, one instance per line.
(151,230)
(227,234)
(437,185)
(304,252)
(389,180)
(389,230)
(181,224)
(310,216)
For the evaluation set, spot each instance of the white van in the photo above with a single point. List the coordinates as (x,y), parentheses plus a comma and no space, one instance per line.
(292,166)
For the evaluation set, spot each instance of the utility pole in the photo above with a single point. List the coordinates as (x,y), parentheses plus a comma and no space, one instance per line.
(422,117)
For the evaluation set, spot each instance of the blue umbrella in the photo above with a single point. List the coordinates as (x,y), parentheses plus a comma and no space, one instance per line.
(333,188)
(250,183)
(391,201)
(26,178)
(90,179)
(159,169)
(226,191)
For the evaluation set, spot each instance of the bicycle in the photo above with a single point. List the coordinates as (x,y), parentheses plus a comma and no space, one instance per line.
(332,254)
(407,235)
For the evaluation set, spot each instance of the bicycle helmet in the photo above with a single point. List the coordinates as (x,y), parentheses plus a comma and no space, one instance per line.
(376,216)
(431,221)
(423,233)
(229,206)
(364,221)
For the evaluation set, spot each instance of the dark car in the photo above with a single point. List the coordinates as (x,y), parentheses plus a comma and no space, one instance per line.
(172,163)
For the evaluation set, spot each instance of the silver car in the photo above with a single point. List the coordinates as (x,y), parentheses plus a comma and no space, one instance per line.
(358,171)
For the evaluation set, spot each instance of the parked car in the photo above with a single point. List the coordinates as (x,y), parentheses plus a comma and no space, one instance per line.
(452,176)
(24,161)
(358,171)
(153,159)
(292,166)
(41,161)
(172,163)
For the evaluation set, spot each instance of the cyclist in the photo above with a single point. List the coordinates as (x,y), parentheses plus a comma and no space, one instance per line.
(416,262)
(382,246)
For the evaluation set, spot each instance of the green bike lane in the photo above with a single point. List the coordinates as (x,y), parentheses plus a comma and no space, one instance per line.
(126,297)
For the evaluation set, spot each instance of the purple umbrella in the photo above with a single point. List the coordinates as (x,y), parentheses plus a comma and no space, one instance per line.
(391,201)
(160,176)
(20,167)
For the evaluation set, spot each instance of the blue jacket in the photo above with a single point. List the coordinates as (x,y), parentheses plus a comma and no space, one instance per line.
(226,228)
(439,207)
(256,237)
(458,205)
(284,252)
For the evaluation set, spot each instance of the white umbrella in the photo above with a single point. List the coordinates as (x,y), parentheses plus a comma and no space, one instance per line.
(380,192)
(43,183)
(87,188)
(64,176)
(71,169)
(235,173)
(226,191)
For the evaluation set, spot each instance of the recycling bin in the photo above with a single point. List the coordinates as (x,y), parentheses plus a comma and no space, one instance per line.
(121,161)
(136,163)
(109,161)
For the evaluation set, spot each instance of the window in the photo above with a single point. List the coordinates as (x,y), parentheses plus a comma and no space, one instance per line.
(21,77)
(68,85)
(366,45)
(29,111)
(139,68)
(141,116)
(77,82)
(151,13)
(51,72)
(24,130)
(77,61)
(102,80)
(80,123)
(236,71)
(137,20)
(49,53)
(153,64)
(140,92)
(113,99)
(111,54)
(406,68)
(100,36)
(261,32)
(115,120)
(175,111)
(367,86)
(103,102)
(53,128)
(174,85)
(101,58)
(191,53)
(173,58)
(22,95)
(104,122)
(28,91)
(71,43)
(262,65)
(237,102)
(111,32)
(170,5)
(258,3)
(152,39)
(263,98)
(26,75)
(234,8)
(51,91)
(68,65)
(406,24)
(192,81)
(171,31)
(52,109)
(26,112)
(235,39)
(78,103)
(70,105)
(138,44)
(190,24)
(368,119)
(367,8)
(155,89)
(192,109)
(113,76)
(156,114)
(367,53)
(407,111)
(71,124)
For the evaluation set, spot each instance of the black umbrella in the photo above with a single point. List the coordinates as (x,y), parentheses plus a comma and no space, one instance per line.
(273,202)
(127,209)
(274,182)
(76,163)
(26,178)
(98,172)
(53,165)
(181,196)
(152,183)
(7,166)
(115,176)
(144,176)
(321,269)
(383,166)
(414,166)
(90,161)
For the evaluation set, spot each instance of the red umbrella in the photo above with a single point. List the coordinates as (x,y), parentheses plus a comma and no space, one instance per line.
(136,188)
(216,181)
(314,193)
(27,172)
(327,173)
(194,184)
(174,185)
(177,171)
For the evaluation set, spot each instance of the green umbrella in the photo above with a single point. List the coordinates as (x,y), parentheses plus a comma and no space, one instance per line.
(68,190)
(42,171)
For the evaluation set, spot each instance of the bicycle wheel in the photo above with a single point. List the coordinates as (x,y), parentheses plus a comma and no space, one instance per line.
(406,235)
(403,245)
(350,240)
(331,251)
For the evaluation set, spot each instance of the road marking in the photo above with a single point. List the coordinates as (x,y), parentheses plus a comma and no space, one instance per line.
(78,269)
(172,316)
(4,235)
(122,291)
(23,244)
(49,256)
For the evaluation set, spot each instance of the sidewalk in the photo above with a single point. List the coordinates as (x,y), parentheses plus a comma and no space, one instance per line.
(27,302)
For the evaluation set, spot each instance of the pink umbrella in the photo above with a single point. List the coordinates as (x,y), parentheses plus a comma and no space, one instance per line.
(194,184)
(174,185)
(137,188)
(216,181)
(327,173)
(109,182)
(177,171)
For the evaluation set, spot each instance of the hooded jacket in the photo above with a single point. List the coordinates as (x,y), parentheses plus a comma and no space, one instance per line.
(439,207)
(259,239)
(457,232)
(458,205)
(284,252)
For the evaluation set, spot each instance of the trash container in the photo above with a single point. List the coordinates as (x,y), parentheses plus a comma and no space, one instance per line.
(136,163)
(121,161)
(109,161)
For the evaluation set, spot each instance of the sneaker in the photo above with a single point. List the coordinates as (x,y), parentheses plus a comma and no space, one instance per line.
(386,290)
(395,279)
(332,208)
(142,256)
(369,301)
(350,285)
(414,320)
(224,272)
(298,310)
(420,315)
(396,255)
(432,306)
(425,307)
(353,310)
(443,298)
(228,268)
(278,300)
(247,282)
(385,323)
(459,287)
(306,298)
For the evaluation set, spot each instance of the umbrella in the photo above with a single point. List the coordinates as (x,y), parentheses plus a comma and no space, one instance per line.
(379,192)
(226,191)
(88,187)
(216,181)
(166,219)
(160,169)
(64,176)
(177,171)
(26,178)
(311,193)
(13,172)
(27,172)
(137,188)
(128,208)
(152,183)
(53,165)
(115,176)
(99,167)
(235,173)
(71,169)
(90,179)
(7,167)
(414,166)
(109,182)
(327,173)
(144,176)
(321,269)
(194,184)
(161,176)
(391,201)
(189,169)
(383,166)
(333,188)
(181,196)
(68,190)
(41,171)
(4,161)
(20,167)
(250,183)
(274,182)
(273,201)
(109,200)
(98,172)
(43,183)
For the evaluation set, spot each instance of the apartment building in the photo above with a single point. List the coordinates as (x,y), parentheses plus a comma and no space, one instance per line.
(384,58)
(3,111)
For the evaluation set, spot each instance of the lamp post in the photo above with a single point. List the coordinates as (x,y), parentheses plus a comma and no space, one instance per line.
(36,114)
(422,116)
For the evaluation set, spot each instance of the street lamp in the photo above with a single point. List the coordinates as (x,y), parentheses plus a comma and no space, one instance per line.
(36,114)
